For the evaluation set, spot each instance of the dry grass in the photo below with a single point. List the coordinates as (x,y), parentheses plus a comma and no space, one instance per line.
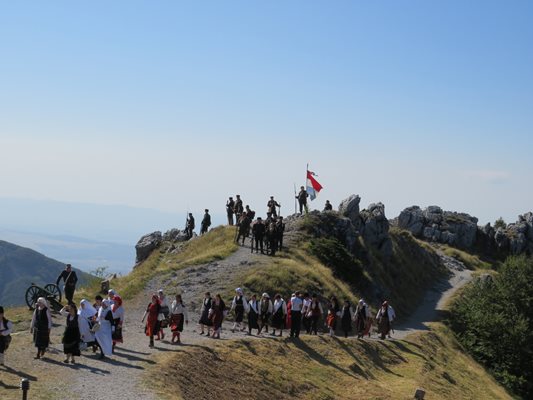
(326,368)
(471,261)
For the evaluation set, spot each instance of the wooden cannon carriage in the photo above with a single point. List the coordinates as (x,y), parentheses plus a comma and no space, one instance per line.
(50,292)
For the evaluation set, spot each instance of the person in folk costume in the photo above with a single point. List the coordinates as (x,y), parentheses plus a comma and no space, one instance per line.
(71,337)
(6,328)
(118,317)
(204,313)
(362,319)
(97,302)
(218,308)
(70,279)
(40,327)
(265,311)
(296,314)
(164,314)
(306,317)
(333,313)
(288,321)
(230,204)
(346,318)
(178,314)
(240,306)
(111,296)
(253,314)
(314,313)
(278,315)
(104,335)
(86,315)
(152,324)
(385,317)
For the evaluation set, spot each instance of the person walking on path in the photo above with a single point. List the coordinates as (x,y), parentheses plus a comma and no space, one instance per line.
(253,314)
(239,305)
(385,317)
(104,332)
(178,315)
(71,337)
(315,312)
(278,315)
(6,328)
(362,319)
(41,325)
(70,278)
(152,324)
(265,311)
(302,199)
(218,309)
(206,222)
(334,311)
(86,315)
(164,314)
(296,314)
(258,234)
(346,318)
(306,316)
(204,313)
(118,320)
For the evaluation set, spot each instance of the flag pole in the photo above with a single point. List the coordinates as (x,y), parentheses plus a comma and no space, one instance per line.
(295,197)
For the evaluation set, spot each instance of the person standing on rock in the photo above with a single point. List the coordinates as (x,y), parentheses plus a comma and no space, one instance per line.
(5,335)
(204,313)
(346,318)
(189,227)
(238,208)
(104,332)
(271,206)
(296,314)
(265,311)
(118,320)
(253,314)
(217,312)
(279,314)
(230,206)
(385,317)
(302,199)
(70,279)
(206,222)
(328,206)
(152,323)
(240,306)
(71,338)
(334,311)
(178,315)
(41,325)
(258,232)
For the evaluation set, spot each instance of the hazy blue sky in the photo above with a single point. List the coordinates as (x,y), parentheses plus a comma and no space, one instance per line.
(169,105)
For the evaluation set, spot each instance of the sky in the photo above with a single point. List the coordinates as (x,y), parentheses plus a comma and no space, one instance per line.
(175,106)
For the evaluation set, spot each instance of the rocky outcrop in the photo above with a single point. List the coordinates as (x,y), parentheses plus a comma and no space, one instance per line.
(375,228)
(434,224)
(175,235)
(349,208)
(519,235)
(146,245)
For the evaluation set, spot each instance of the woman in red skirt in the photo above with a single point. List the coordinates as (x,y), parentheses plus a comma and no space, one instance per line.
(152,324)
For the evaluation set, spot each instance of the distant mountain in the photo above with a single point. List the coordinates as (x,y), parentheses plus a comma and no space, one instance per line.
(20,266)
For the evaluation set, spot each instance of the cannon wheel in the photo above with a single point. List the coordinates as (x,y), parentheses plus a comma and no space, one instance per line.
(32,294)
(54,290)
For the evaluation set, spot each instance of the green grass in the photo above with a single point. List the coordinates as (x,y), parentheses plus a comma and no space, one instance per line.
(471,261)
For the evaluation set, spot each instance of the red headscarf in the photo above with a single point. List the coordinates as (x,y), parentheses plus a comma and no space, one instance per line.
(117,302)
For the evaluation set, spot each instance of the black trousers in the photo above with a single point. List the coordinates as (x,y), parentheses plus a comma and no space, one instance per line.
(259,243)
(69,293)
(296,321)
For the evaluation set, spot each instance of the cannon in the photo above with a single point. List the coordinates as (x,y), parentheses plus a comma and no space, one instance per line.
(50,292)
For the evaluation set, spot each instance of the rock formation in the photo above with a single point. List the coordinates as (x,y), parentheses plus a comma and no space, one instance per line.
(146,245)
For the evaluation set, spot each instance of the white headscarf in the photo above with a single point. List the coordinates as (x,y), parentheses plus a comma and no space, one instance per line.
(42,301)
(86,309)
(108,303)
(239,291)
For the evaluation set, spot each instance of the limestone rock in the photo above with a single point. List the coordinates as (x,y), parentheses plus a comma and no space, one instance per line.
(376,228)
(349,208)
(146,245)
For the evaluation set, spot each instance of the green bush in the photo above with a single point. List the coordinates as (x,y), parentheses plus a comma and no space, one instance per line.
(493,320)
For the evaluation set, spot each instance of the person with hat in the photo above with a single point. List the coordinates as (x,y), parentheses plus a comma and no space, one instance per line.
(240,306)
(5,335)
(106,326)
(265,311)
(71,337)
(206,222)
(258,233)
(302,199)
(230,205)
(271,206)
(314,312)
(328,206)
(279,314)
(362,319)
(70,279)
(41,325)
(385,317)
(238,208)
(190,225)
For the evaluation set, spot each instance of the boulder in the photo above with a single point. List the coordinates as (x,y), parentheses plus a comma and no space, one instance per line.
(413,220)
(175,235)
(376,228)
(349,208)
(146,245)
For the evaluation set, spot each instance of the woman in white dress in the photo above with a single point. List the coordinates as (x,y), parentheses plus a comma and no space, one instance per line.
(104,333)
(86,315)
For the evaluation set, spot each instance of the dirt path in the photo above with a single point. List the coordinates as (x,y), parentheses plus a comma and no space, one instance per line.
(122,374)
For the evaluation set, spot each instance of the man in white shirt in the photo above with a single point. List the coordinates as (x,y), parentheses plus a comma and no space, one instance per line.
(296,314)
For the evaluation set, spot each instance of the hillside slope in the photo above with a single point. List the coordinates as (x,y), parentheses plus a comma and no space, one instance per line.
(20,266)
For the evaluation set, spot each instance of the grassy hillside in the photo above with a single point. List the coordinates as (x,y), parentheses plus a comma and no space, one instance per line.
(20,266)
(326,368)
